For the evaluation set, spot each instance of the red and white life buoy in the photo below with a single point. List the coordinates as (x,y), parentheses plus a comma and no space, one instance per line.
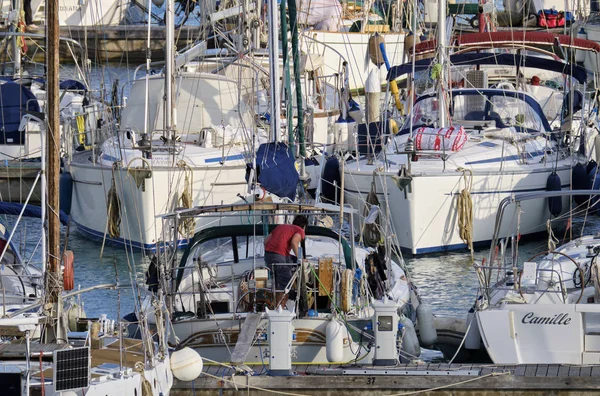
(440,139)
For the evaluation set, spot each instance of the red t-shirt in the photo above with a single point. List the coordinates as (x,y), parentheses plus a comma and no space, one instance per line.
(280,240)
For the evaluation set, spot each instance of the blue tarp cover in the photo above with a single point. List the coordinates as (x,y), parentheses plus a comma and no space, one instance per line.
(73,85)
(277,169)
(12,208)
(577,72)
(14,98)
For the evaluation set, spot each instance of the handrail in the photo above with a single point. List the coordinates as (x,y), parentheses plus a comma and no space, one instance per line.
(515,198)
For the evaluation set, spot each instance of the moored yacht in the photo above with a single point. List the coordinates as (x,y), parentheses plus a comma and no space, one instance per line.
(444,179)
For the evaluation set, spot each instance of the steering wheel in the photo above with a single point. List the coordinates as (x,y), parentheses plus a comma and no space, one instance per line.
(506,85)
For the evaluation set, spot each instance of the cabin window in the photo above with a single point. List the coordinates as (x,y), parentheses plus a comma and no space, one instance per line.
(515,112)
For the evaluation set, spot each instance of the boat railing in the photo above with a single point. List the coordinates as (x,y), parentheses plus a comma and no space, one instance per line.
(306,34)
(508,281)
(517,199)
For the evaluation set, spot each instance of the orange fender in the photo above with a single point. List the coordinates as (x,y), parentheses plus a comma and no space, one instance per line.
(68,270)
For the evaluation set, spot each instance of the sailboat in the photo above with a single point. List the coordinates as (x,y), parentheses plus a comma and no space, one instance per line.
(186,149)
(465,148)
(22,108)
(543,309)
(184,139)
(38,354)
(223,296)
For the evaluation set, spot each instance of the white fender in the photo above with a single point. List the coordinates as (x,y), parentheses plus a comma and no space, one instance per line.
(334,341)
(410,342)
(427,331)
(341,134)
(186,364)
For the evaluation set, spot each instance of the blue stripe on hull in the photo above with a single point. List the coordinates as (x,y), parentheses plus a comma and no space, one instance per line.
(463,246)
(99,236)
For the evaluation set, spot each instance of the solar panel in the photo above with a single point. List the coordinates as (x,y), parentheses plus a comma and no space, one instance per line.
(71,369)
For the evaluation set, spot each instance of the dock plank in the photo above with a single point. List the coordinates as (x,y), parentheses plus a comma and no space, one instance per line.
(574,371)
(586,371)
(542,370)
(552,370)
(486,370)
(595,371)
(563,371)
(520,371)
(530,370)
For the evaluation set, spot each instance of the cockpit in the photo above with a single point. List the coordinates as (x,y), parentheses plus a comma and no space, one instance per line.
(482,109)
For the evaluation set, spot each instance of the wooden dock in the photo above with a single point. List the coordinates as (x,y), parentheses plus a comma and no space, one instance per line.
(442,379)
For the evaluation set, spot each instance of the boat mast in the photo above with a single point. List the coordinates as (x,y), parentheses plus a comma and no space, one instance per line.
(17,6)
(53,283)
(442,61)
(274,71)
(169,63)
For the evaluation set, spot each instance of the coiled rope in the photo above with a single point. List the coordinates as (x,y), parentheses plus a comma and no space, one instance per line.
(114,208)
(465,210)
(187,226)
(146,385)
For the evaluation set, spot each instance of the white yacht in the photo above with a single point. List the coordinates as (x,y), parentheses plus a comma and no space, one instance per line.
(543,309)
(222,281)
(441,181)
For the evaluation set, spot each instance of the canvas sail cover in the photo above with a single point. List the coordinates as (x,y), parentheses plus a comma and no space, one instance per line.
(276,168)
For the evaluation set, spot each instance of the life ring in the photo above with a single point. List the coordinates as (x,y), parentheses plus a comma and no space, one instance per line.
(346,294)
(68,270)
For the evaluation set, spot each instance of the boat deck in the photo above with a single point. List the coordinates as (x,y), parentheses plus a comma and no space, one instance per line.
(460,379)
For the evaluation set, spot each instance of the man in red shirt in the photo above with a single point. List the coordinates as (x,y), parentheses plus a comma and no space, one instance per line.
(283,239)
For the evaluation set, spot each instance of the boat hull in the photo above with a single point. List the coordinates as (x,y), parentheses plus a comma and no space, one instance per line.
(541,333)
(425,228)
(156,194)
(215,341)
(354,48)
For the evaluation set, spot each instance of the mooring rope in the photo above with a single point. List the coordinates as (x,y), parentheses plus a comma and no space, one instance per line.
(114,208)
(465,210)
(146,385)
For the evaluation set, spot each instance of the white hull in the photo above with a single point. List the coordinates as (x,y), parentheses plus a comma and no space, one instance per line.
(425,217)
(567,333)
(156,195)
(85,13)
(420,193)
(205,336)
(212,161)
(354,48)
(549,313)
